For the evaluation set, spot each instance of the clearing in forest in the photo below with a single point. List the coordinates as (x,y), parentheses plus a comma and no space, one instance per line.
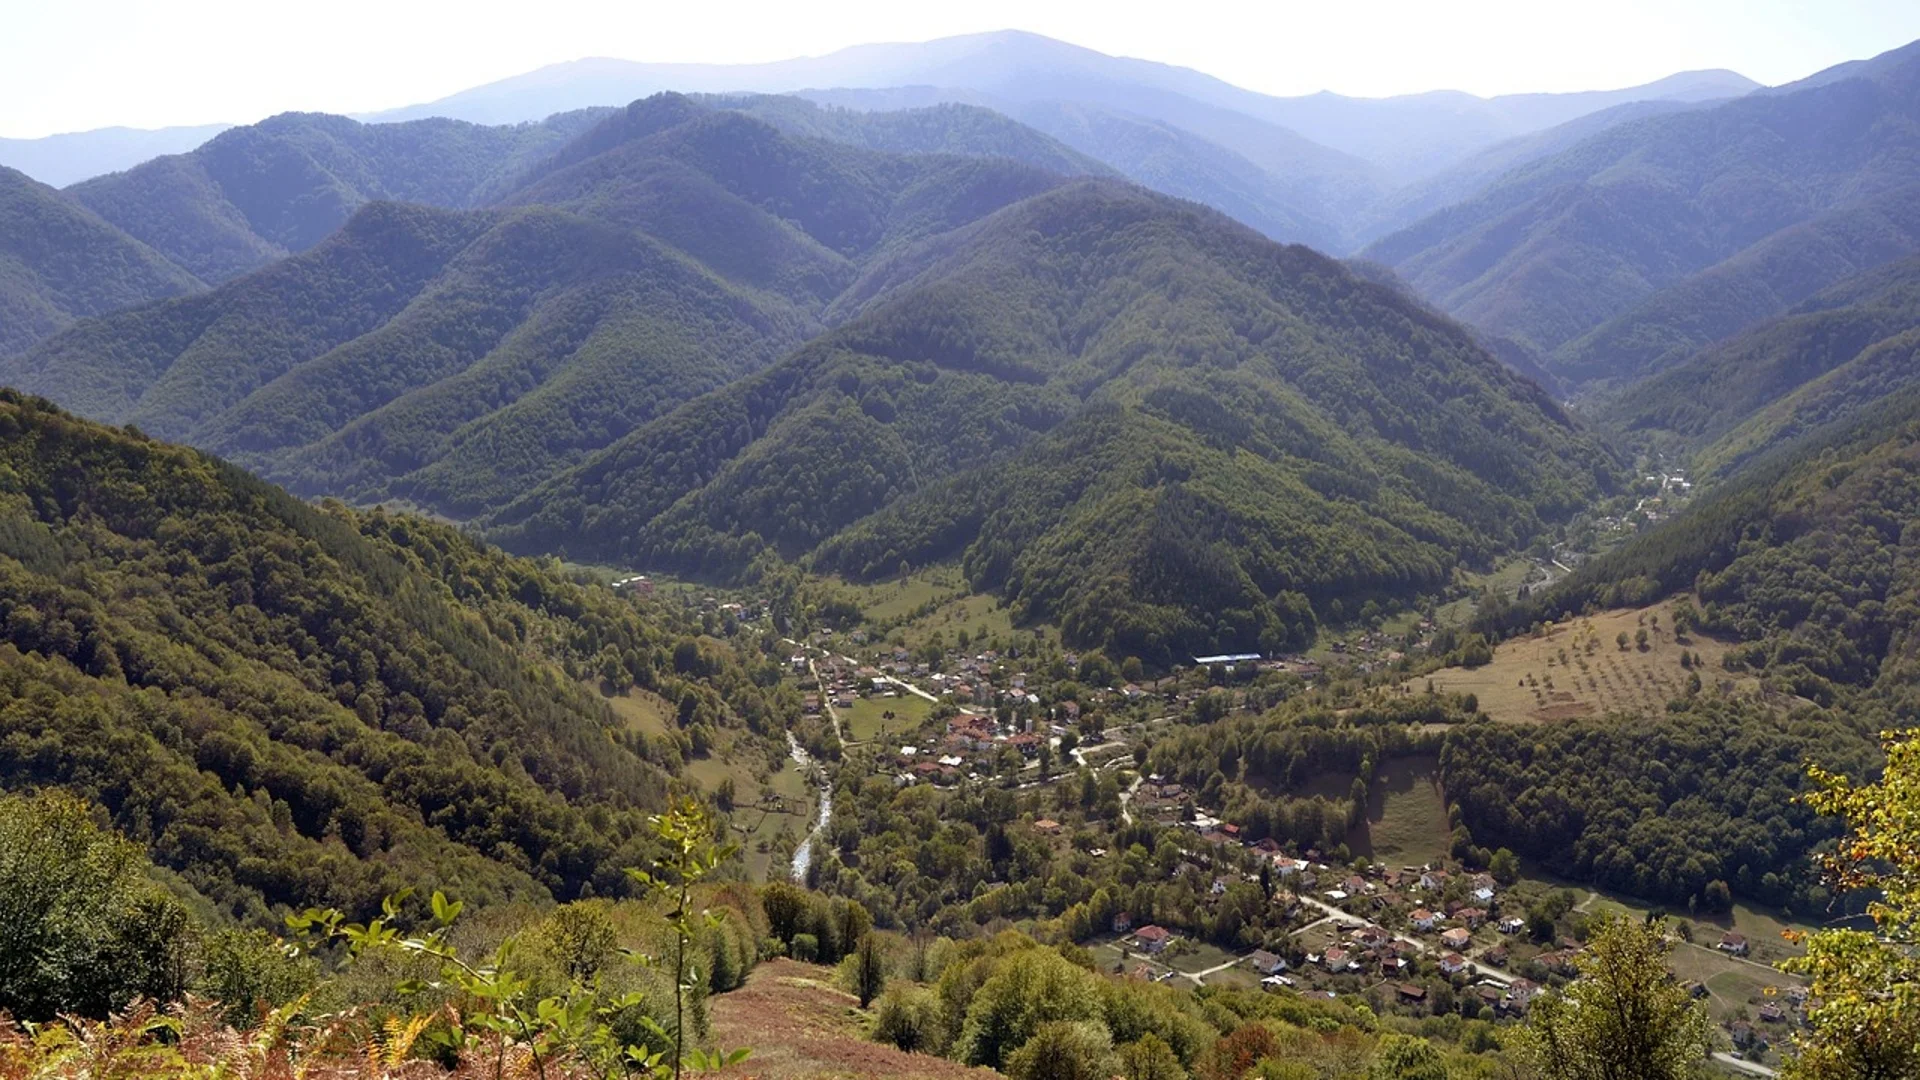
(1581,668)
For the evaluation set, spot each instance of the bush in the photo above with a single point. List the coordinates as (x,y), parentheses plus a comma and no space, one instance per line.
(805,948)
(909,1017)
(82,929)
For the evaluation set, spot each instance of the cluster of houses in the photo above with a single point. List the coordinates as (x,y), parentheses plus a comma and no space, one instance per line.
(969,739)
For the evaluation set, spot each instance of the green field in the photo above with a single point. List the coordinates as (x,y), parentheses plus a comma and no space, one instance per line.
(1406,813)
(868,719)
(894,607)
(643,710)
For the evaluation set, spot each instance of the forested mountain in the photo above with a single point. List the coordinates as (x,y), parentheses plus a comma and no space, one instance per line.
(456,358)
(1662,234)
(59,160)
(60,262)
(1129,413)
(1831,357)
(256,193)
(290,705)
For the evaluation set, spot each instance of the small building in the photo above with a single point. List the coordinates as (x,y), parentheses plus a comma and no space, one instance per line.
(1457,938)
(1047,827)
(1422,919)
(1472,916)
(1453,964)
(1337,960)
(1153,938)
(1412,993)
(1733,944)
(1122,922)
(1512,925)
(1433,880)
(1267,963)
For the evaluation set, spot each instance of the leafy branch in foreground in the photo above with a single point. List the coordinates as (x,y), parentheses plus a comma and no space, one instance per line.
(1865,1017)
(498,1010)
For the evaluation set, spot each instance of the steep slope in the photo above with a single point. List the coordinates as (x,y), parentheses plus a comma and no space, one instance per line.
(289,705)
(1831,355)
(1103,401)
(1803,181)
(59,160)
(256,193)
(60,262)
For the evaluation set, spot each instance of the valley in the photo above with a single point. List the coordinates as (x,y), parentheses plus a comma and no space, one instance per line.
(967,557)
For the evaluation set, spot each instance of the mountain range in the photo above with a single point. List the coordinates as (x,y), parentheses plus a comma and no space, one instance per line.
(1624,252)
(955,329)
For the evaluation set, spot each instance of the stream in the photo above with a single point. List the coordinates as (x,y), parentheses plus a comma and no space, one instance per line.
(803,855)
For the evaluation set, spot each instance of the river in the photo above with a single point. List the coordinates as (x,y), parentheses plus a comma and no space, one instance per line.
(803,855)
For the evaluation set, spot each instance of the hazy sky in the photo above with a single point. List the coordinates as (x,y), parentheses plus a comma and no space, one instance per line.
(68,65)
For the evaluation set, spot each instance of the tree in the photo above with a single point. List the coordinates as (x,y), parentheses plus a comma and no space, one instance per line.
(692,857)
(1403,1057)
(869,974)
(1150,1058)
(82,929)
(1866,985)
(1027,990)
(1623,1018)
(1504,866)
(1064,1050)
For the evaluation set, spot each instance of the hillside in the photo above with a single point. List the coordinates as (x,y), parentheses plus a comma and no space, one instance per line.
(257,193)
(1682,227)
(288,705)
(457,358)
(1831,356)
(1026,394)
(60,262)
(1795,557)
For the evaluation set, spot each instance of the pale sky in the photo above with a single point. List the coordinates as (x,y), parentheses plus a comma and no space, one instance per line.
(70,65)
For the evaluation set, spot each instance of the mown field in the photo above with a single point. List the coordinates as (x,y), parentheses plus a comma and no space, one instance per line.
(1579,669)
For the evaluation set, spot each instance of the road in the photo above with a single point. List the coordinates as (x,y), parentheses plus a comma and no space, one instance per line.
(1752,1068)
(1480,970)
(1126,798)
(826,702)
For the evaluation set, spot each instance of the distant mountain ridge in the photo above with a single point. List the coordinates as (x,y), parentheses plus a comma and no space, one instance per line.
(1398,132)
(60,160)
(1631,248)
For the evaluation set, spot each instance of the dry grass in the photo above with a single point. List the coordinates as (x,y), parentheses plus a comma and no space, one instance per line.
(799,1025)
(1577,669)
